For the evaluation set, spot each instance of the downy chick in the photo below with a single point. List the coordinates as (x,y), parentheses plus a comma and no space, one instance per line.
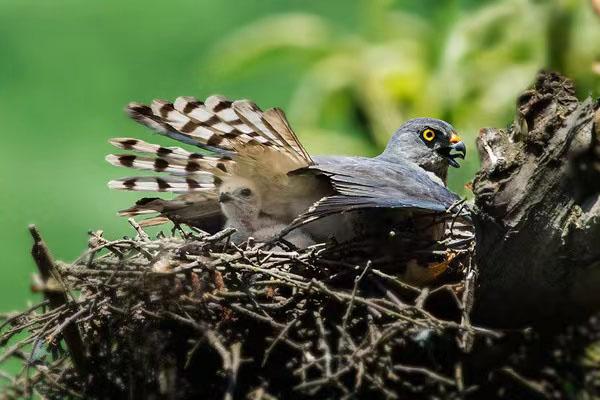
(241,204)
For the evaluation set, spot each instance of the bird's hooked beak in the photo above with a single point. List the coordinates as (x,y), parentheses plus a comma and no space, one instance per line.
(224,197)
(456,149)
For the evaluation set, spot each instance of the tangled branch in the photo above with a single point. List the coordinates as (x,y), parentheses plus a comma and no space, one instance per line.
(206,317)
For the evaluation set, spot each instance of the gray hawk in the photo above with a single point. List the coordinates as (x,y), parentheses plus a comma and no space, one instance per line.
(255,175)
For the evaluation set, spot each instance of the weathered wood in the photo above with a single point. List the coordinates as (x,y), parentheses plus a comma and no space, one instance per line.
(537,209)
(57,298)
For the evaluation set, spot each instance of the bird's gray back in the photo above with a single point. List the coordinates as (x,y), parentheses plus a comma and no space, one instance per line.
(401,183)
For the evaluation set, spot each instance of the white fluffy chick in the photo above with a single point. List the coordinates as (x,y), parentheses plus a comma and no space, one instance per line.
(241,204)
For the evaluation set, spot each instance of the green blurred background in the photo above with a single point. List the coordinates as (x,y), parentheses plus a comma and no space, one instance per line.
(346,72)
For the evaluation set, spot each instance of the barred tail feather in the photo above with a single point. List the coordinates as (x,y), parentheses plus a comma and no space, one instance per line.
(193,168)
(163,184)
(176,153)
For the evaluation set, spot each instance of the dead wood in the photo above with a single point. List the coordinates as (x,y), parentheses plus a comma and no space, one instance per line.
(196,316)
(537,212)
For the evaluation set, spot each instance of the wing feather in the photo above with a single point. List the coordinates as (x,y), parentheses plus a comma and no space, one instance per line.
(198,209)
(221,125)
(249,113)
(362,183)
(146,116)
(275,117)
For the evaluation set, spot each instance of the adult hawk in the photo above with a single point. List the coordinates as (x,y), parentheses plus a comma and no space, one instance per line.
(255,175)
(252,151)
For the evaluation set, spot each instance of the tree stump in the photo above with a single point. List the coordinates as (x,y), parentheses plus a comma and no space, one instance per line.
(537,210)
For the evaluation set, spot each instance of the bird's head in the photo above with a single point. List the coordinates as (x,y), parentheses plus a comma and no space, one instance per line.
(239,199)
(431,143)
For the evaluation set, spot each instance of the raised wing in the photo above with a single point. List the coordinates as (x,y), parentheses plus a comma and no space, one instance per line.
(220,125)
(244,140)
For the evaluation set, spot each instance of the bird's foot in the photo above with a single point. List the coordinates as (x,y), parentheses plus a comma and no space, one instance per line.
(419,275)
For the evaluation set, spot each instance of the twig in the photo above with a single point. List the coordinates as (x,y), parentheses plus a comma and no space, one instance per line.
(467,339)
(534,387)
(287,295)
(143,235)
(278,339)
(426,372)
(357,281)
(16,316)
(235,353)
(67,322)
(225,233)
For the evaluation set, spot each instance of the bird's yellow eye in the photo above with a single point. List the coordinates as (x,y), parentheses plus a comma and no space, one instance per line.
(428,134)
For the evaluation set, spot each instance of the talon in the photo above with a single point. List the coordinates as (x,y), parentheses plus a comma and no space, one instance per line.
(419,275)
(436,269)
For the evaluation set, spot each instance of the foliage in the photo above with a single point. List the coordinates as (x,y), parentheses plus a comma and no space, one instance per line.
(462,64)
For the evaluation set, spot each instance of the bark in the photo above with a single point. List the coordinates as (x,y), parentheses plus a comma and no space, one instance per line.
(537,209)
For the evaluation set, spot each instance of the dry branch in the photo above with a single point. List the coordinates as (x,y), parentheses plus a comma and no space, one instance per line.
(538,209)
(58,299)
(155,315)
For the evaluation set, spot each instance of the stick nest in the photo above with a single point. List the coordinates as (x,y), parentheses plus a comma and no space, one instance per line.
(195,316)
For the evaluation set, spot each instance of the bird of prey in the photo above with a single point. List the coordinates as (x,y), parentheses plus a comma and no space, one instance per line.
(247,150)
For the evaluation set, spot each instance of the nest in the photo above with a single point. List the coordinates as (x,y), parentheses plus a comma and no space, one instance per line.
(192,315)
